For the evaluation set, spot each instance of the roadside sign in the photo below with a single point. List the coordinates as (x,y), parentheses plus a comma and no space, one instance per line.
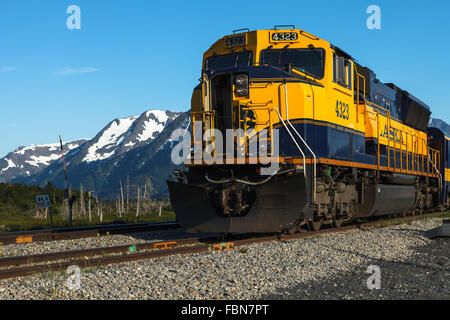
(43,201)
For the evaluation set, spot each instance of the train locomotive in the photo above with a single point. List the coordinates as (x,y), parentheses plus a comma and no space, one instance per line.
(347,145)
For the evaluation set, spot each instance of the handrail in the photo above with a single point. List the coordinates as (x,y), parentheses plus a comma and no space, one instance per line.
(287,129)
(293,139)
(415,153)
(257,107)
(434,153)
(184,134)
(357,90)
(189,123)
(378,139)
(407,152)
(301,138)
(211,124)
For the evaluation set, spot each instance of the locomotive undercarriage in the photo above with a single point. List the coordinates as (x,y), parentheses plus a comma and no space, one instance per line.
(343,194)
(229,199)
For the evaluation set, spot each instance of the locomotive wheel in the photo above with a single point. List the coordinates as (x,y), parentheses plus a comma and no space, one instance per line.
(315,225)
(337,222)
(291,230)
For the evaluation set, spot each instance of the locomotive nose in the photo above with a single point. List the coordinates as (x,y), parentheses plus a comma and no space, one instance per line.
(277,205)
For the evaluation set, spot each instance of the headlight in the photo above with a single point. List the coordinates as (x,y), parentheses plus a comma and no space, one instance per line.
(241,79)
(241,83)
(241,90)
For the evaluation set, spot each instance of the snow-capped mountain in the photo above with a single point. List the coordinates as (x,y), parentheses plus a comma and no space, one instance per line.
(136,148)
(122,135)
(27,161)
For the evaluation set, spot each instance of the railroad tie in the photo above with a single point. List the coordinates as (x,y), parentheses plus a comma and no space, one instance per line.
(24,239)
(223,246)
(165,245)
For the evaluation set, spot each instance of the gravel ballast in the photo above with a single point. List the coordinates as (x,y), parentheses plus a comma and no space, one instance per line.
(92,242)
(328,266)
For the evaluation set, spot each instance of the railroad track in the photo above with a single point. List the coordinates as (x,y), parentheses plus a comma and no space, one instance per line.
(81,232)
(14,267)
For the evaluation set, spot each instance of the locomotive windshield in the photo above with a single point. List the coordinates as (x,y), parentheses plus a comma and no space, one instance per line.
(240,59)
(311,61)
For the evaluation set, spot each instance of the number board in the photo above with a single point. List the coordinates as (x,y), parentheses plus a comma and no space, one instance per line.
(342,110)
(43,202)
(284,36)
(236,41)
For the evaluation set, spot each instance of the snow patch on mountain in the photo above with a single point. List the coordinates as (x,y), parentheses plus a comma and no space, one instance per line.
(151,127)
(51,147)
(155,123)
(111,137)
(11,164)
(25,161)
(42,160)
(122,135)
(160,114)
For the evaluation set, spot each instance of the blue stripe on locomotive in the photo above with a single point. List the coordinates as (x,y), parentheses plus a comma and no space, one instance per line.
(332,141)
(329,140)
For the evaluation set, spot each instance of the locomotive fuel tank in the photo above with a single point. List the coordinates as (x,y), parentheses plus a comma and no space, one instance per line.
(385,199)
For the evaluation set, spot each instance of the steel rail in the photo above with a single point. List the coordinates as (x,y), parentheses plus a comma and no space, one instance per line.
(205,246)
(81,232)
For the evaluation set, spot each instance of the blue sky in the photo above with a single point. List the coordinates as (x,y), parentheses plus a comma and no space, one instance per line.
(130,56)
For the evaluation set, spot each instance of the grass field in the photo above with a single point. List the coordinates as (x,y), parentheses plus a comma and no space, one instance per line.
(20,222)
(18,208)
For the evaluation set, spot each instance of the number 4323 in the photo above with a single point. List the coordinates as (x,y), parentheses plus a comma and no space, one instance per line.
(342,110)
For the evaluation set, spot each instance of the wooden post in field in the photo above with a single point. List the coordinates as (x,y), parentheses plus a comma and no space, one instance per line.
(160,209)
(72,199)
(96,204)
(147,183)
(50,207)
(89,206)
(145,190)
(121,192)
(128,193)
(82,207)
(138,195)
(67,197)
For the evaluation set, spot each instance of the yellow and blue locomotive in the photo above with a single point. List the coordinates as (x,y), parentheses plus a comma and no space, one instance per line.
(347,145)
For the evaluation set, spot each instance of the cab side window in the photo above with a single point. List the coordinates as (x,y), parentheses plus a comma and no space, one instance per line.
(342,71)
